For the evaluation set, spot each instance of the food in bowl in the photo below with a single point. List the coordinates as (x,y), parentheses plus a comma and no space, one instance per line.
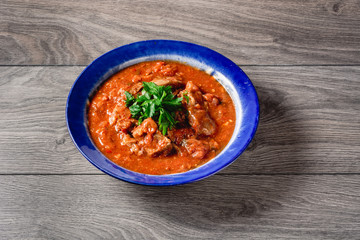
(161,117)
(226,72)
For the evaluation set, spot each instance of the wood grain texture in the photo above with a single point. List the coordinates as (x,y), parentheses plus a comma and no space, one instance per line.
(32,120)
(248,32)
(309,121)
(221,207)
(298,179)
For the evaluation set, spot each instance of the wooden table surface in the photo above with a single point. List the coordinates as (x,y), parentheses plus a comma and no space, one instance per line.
(298,179)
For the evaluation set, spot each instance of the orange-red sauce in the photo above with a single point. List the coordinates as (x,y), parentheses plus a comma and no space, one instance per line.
(107,138)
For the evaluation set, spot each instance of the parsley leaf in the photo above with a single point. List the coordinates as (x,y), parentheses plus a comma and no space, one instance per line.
(129,99)
(135,110)
(186,96)
(156,102)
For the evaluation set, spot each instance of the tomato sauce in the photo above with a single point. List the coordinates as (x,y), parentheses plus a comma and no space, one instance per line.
(208,120)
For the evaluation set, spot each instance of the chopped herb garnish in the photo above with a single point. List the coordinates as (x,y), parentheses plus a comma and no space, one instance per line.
(186,96)
(157,102)
(129,99)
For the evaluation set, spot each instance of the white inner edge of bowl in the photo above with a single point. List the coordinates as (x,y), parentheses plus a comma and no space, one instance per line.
(225,82)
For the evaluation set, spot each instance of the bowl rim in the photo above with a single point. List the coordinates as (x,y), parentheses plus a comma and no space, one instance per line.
(107,64)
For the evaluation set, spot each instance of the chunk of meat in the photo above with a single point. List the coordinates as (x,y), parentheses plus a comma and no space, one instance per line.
(136,88)
(168,70)
(160,81)
(213,145)
(159,145)
(120,117)
(145,130)
(105,140)
(168,81)
(150,140)
(211,99)
(127,140)
(156,68)
(202,123)
(119,112)
(199,117)
(199,148)
(163,68)
(194,94)
(124,125)
(178,136)
(180,118)
(196,148)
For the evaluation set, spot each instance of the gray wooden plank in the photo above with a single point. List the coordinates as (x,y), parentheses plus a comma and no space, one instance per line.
(309,121)
(249,32)
(220,207)
(32,120)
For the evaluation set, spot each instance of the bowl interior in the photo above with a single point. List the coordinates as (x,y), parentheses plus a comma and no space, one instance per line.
(225,71)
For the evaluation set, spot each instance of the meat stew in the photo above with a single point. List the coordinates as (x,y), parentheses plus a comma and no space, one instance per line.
(192,117)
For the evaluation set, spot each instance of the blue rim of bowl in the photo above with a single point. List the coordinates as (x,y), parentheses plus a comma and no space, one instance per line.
(240,86)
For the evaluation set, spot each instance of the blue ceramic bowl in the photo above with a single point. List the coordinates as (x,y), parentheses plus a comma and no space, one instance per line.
(224,70)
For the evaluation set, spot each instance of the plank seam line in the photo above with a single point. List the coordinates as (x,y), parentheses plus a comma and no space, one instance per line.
(240,65)
(219,174)
(39,65)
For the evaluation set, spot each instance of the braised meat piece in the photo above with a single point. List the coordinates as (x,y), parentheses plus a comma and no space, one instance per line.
(159,145)
(199,148)
(160,81)
(211,99)
(181,118)
(127,140)
(120,117)
(178,136)
(125,125)
(150,140)
(136,88)
(145,131)
(199,117)
(119,112)
(168,81)
(196,148)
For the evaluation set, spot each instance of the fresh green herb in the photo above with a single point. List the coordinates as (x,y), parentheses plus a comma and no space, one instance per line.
(156,102)
(186,96)
(129,99)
